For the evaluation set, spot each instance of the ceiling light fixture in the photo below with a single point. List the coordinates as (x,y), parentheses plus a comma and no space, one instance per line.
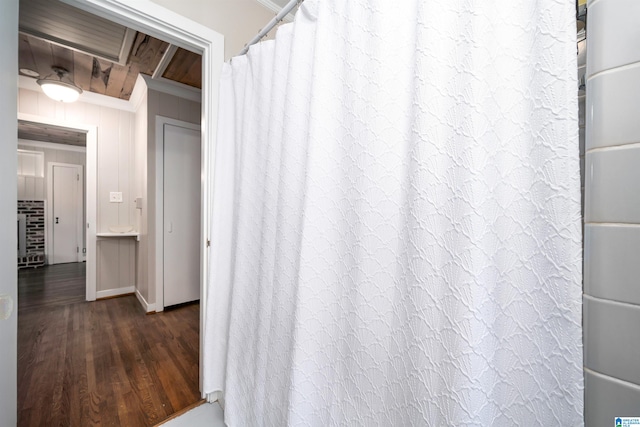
(57,89)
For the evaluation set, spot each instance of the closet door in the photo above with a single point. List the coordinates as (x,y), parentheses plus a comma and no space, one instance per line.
(181,215)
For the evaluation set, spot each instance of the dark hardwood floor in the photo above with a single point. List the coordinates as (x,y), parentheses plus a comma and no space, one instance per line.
(101,363)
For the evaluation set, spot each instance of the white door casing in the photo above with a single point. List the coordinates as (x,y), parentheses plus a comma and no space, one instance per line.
(181,213)
(64,218)
(162,23)
(91,196)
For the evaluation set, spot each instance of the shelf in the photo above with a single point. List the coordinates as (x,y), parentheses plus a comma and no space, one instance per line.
(118,235)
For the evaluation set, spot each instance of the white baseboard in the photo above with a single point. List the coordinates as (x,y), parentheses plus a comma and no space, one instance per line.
(216,396)
(143,302)
(115,292)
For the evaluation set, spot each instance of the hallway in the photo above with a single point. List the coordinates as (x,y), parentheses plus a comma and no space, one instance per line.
(100,363)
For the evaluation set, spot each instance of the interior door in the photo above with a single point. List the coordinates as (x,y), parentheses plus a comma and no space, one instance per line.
(64,215)
(181,215)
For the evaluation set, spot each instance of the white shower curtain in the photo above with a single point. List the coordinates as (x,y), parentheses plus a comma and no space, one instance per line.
(397,235)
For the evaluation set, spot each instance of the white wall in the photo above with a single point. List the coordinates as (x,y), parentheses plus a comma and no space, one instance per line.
(612,213)
(8,211)
(115,257)
(33,188)
(237,20)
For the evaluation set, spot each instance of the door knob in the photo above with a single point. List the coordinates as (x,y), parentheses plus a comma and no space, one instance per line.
(57,222)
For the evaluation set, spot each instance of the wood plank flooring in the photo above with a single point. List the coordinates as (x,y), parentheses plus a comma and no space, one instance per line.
(102,363)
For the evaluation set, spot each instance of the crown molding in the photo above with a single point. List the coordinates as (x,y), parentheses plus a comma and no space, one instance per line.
(173,88)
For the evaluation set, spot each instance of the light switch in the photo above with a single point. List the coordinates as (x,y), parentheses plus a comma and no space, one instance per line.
(115,197)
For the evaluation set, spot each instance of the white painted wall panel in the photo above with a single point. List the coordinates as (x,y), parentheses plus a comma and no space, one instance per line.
(125,145)
(109,267)
(108,164)
(126,256)
(28,102)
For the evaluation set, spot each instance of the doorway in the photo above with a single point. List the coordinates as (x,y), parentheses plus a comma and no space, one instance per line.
(65,195)
(86,232)
(180,209)
(159,22)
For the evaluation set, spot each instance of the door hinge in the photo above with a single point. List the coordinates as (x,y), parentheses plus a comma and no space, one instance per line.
(77,250)
(78,175)
(208,242)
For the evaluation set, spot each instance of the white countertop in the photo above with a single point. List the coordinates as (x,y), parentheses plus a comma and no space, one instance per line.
(127,234)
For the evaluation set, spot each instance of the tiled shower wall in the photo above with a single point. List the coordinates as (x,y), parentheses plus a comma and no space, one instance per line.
(612,213)
(34,212)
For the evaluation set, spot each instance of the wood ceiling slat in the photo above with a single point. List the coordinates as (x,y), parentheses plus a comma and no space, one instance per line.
(117,77)
(177,67)
(100,76)
(83,68)
(147,51)
(160,48)
(48,133)
(130,81)
(185,67)
(194,75)
(42,55)
(63,58)
(25,55)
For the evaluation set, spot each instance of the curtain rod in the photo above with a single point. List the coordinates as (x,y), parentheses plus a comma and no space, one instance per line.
(279,17)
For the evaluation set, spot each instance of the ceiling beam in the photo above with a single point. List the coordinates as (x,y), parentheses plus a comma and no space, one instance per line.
(164,62)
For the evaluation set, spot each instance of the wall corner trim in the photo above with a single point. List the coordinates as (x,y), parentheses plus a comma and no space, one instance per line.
(138,93)
(143,302)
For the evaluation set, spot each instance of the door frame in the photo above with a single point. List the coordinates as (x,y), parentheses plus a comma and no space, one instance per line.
(162,23)
(91,201)
(48,213)
(161,121)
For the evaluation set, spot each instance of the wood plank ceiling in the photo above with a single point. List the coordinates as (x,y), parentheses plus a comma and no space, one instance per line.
(49,133)
(98,75)
(108,78)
